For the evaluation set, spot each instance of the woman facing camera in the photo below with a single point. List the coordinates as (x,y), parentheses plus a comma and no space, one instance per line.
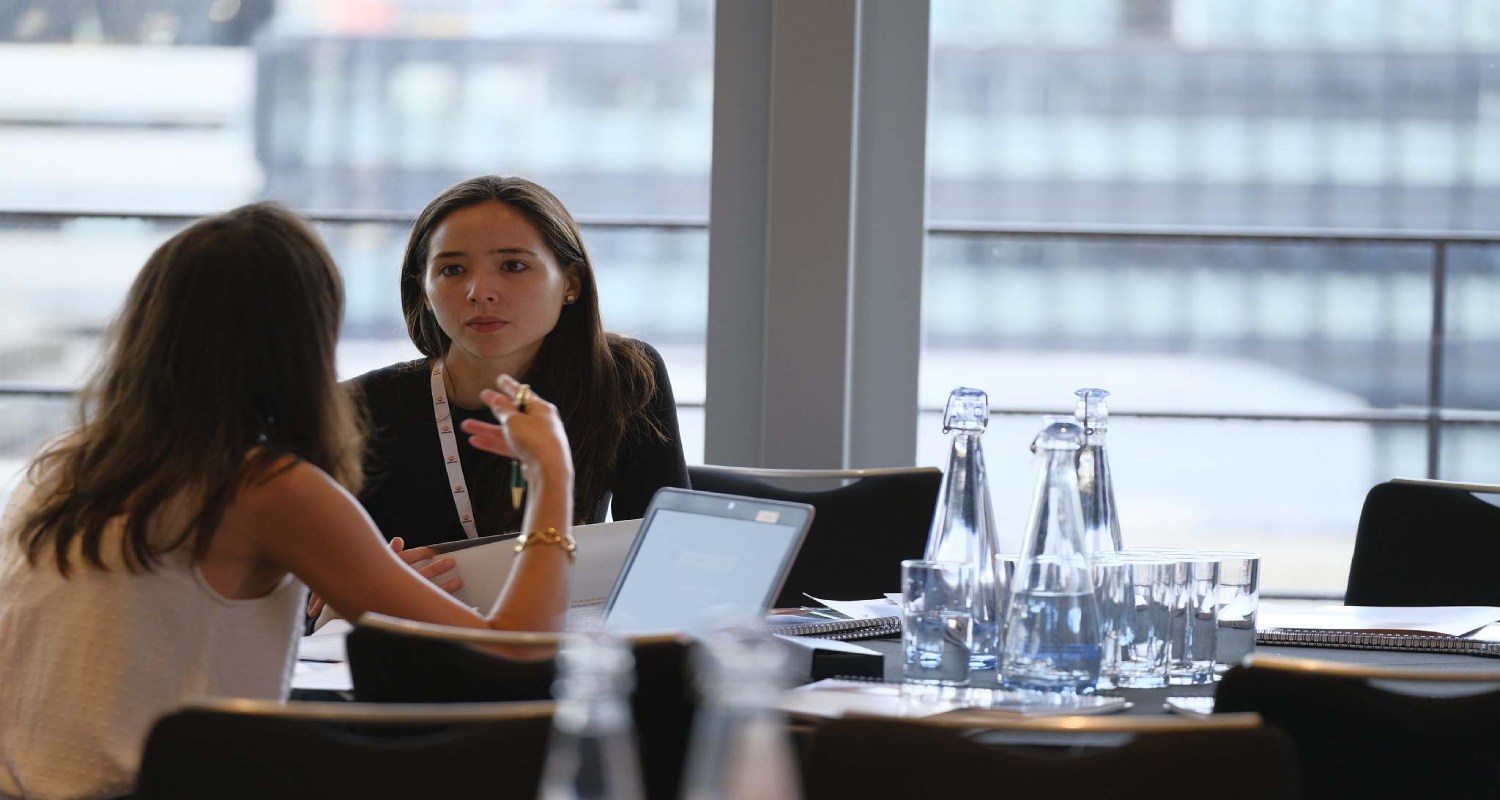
(496,280)
(159,552)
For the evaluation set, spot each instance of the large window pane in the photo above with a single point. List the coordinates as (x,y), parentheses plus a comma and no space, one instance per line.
(1183,115)
(182,107)
(1213,327)
(69,277)
(25,423)
(1218,113)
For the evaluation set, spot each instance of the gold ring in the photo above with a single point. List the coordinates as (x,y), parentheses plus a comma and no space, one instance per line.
(523,395)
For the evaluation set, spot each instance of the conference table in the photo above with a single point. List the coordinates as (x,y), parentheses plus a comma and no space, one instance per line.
(329,680)
(1152,701)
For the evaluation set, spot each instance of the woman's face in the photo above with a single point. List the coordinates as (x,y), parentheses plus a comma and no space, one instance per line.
(494,286)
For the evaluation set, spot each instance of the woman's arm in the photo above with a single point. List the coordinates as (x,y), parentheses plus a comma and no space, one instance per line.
(304,522)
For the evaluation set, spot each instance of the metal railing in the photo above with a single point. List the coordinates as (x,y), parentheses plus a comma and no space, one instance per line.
(1433,415)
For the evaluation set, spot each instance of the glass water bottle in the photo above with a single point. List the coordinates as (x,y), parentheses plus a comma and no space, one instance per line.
(740,748)
(1101,524)
(592,753)
(1052,623)
(963,524)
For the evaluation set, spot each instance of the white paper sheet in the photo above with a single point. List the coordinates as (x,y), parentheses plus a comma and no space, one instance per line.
(818,643)
(862,609)
(1437,620)
(326,644)
(317,675)
(835,697)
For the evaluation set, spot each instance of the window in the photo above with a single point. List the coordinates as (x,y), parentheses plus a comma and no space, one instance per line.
(138,117)
(1262,381)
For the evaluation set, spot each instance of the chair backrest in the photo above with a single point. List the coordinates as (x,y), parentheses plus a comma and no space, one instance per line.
(1426,543)
(1354,739)
(399,661)
(256,749)
(860,533)
(874,759)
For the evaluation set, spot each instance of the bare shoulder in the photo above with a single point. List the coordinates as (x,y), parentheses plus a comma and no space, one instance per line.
(290,485)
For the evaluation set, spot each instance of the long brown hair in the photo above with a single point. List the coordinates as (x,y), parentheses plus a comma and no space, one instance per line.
(220,366)
(599,381)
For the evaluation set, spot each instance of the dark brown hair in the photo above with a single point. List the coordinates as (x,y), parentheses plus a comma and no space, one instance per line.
(599,381)
(220,366)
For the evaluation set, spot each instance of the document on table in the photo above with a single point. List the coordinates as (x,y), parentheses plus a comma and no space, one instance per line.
(1428,620)
(322,660)
(862,609)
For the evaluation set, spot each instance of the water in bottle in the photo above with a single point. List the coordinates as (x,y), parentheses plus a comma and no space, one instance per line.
(1051,641)
(963,524)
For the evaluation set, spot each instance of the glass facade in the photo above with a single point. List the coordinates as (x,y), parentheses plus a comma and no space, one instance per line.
(1118,117)
(1161,118)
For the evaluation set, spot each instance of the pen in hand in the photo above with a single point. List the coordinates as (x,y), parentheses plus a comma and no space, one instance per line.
(517,478)
(517,484)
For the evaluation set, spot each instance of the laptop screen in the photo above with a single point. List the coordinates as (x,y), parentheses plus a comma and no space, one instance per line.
(698,554)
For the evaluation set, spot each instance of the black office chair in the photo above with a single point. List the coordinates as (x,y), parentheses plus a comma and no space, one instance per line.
(1354,739)
(254,749)
(400,661)
(1426,543)
(1097,758)
(860,532)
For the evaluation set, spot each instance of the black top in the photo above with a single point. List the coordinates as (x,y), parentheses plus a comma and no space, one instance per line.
(406,483)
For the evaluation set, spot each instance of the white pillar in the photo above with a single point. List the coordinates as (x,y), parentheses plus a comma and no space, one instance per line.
(816,232)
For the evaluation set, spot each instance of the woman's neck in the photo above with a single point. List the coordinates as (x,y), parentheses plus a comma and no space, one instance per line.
(467,376)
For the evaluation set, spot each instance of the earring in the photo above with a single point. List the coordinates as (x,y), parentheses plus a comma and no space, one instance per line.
(569,300)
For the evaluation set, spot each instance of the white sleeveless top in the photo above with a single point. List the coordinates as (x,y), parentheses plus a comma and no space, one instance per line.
(89,662)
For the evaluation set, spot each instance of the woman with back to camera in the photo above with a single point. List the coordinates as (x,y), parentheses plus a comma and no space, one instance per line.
(159,551)
(496,279)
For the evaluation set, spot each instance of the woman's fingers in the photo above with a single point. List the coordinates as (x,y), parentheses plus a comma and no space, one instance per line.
(315,605)
(436,568)
(488,437)
(416,554)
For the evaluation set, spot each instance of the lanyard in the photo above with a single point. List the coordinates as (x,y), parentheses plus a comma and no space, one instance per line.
(444,416)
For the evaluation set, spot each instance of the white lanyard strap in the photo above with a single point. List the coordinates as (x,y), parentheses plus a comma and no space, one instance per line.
(444,416)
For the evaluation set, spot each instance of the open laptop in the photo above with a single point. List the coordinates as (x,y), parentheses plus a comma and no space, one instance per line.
(700,554)
(692,551)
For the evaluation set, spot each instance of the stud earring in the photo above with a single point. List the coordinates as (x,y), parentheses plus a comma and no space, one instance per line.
(569,300)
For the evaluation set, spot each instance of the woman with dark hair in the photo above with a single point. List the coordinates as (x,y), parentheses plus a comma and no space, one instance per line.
(160,551)
(496,279)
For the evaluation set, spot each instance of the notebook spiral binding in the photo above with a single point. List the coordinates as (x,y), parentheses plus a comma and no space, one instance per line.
(1300,637)
(846,629)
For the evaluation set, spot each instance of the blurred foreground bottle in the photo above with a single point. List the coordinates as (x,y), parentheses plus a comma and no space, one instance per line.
(592,753)
(1052,623)
(740,748)
(963,524)
(1101,524)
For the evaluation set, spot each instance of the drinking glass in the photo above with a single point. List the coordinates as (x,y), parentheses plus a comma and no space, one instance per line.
(1135,595)
(1199,589)
(935,620)
(1239,599)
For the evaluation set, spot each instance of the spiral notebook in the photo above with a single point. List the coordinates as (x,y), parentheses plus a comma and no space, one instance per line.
(1463,630)
(845,620)
(842,629)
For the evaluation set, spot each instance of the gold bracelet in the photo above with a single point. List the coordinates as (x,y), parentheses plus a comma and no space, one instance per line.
(549,536)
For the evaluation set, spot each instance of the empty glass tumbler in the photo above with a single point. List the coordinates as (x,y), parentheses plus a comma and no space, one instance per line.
(936,599)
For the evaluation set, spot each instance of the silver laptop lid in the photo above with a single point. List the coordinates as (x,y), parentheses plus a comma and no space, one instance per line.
(700,554)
